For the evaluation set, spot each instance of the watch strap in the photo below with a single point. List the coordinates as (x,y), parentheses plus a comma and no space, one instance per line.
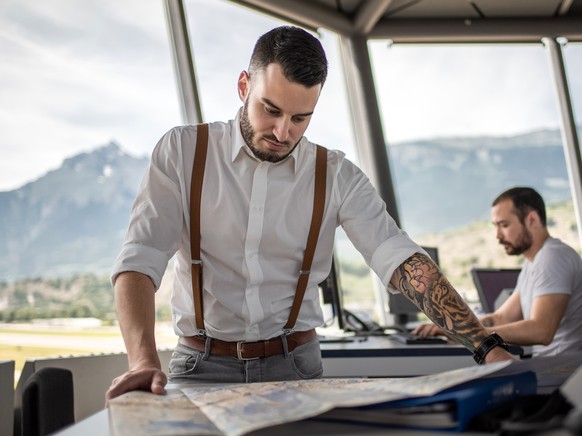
(490,342)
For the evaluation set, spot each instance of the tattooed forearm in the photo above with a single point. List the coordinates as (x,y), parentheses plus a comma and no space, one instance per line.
(419,279)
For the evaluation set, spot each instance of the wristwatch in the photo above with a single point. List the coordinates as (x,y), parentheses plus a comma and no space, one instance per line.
(490,342)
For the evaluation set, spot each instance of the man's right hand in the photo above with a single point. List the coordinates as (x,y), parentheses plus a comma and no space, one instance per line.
(428,329)
(151,379)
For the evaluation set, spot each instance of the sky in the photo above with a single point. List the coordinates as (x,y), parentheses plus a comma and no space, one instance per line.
(75,78)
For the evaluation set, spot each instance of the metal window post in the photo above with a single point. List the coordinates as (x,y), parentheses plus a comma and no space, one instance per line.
(183,61)
(366,119)
(568,127)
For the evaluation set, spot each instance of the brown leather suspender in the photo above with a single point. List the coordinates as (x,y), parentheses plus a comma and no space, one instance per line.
(316,218)
(195,203)
(195,207)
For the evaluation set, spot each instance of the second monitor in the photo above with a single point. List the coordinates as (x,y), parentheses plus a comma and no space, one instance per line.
(491,283)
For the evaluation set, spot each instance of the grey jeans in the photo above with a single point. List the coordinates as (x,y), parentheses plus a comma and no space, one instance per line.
(187,364)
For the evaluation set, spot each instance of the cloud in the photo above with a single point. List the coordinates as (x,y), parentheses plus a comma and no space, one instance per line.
(74,78)
(464,90)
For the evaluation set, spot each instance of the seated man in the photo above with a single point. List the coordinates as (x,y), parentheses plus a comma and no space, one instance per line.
(545,310)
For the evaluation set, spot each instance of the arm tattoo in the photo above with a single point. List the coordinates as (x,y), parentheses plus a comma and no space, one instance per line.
(420,280)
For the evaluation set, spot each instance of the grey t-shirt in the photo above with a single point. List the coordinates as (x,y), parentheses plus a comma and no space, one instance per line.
(556,269)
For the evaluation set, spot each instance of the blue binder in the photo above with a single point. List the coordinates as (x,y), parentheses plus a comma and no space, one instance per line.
(448,410)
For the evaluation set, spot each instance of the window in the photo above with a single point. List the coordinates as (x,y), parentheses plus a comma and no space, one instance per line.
(462,124)
(573,62)
(75,78)
(222,53)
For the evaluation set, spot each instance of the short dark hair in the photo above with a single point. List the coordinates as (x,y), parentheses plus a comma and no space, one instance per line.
(300,55)
(525,199)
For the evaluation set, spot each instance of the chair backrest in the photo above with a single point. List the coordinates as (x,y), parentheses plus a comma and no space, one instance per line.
(47,402)
(6,397)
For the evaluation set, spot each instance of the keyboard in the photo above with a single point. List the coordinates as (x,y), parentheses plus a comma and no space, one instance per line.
(410,339)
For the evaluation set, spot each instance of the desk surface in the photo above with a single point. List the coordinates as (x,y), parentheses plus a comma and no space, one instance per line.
(385,346)
(380,356)
(98,425)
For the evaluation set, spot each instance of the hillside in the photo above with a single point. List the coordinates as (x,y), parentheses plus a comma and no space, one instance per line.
(473,169)
(475,245)
(459,250)
(73,219)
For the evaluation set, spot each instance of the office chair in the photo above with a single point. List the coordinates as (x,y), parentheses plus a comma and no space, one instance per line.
(47,402)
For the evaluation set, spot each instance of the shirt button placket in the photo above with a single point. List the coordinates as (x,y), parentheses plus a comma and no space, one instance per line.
(253,240)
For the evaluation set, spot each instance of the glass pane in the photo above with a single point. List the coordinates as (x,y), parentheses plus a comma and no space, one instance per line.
(223,36)
(74,78)
(222,49)
(463,123)
(573,62)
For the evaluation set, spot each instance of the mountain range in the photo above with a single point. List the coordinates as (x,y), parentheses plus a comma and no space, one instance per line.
(474,170)
(73,219)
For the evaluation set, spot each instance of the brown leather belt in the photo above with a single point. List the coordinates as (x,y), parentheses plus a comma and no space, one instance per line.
(250,350)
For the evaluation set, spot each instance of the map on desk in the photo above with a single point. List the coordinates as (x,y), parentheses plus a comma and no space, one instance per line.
(237,409)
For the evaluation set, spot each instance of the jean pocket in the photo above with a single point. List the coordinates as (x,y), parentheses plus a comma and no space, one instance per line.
(306,360)
(184,361)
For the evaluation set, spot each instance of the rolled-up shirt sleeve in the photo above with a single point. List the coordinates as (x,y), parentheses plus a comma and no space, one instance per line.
(155,226)
(390,255)
(371,229)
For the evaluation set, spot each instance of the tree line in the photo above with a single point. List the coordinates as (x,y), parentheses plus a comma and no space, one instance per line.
(77,296)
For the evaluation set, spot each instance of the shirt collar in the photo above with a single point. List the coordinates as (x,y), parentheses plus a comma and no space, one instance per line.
(240,147)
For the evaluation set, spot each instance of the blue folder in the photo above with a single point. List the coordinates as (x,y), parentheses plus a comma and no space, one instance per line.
(449,410)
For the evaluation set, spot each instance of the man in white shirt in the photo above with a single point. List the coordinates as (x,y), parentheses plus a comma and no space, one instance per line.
(256,209)
(545,309)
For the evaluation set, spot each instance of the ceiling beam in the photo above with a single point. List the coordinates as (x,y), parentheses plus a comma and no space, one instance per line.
(564,7)
(303,12)
(369,14)
(488,30)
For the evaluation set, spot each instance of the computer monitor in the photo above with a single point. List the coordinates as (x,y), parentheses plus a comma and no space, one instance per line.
(402,309)
(331,294)
(490,282)
(346,320)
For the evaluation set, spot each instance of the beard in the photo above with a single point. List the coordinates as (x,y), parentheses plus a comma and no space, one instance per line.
(248,134)
(522,244)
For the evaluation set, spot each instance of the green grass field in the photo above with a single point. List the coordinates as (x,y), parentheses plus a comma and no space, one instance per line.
(23,342)
(20,354)
(27,341)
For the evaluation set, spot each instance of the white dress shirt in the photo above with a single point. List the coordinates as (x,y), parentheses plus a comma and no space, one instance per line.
(255,217)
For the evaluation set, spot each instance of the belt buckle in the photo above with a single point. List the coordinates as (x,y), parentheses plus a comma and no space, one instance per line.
(239,352)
